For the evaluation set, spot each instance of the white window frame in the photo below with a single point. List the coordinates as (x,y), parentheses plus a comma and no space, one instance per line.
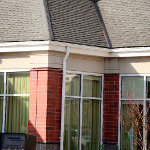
(81,98)
(144,100)
(4,95)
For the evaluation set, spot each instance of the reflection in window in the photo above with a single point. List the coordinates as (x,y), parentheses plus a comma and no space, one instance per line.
(1,113)
(91,86)
(82,112)
(148,87)
(17,114)
(131,125)
(1,83)
(16,106)
(18,83)
(90,124)
(72,87)
(132,87)
(71,124)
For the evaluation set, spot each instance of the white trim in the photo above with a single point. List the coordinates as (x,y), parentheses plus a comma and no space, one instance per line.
(81,99)
(80,113)
(84,73)
(4,104)
(119,127)
(122,99)
(14,70)
(101,126)
(84,98)
(14,95)
(29,46)
(54,46)
(63,97)
(4,95)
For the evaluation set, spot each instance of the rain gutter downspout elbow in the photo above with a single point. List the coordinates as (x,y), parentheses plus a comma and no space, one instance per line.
(63,96)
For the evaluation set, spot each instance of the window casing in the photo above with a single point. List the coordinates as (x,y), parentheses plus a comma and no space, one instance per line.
(134,102)
(83,111)
(14,101)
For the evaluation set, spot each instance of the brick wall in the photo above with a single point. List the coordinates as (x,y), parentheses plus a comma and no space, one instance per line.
(110,108)
(45,104)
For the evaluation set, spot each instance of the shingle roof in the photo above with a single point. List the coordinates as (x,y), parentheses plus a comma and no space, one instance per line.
(23,20)
(120,23)
(76,21)
(127,21)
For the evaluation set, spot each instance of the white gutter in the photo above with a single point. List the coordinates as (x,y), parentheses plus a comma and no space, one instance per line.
(30,46)
(63,96)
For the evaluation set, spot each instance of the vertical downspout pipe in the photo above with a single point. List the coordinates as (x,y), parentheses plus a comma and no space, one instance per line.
(63,96)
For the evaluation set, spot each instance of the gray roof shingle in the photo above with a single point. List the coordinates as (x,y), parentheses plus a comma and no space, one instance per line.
(76,21)
(127,22)
(23,20)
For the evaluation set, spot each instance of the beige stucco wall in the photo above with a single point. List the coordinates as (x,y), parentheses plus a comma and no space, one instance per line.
(85,64)
(134,65)
(80,63)
(53,59)
(14,61)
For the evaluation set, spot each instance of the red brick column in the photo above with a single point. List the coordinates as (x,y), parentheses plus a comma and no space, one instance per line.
(45,104)
(110,108)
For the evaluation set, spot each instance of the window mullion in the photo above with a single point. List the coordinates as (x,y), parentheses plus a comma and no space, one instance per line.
(80,114)
(4,104)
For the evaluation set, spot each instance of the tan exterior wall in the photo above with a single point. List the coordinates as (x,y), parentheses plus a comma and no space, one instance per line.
(40,59)
(85,64)
(80,63)
(134,65)
(14,61)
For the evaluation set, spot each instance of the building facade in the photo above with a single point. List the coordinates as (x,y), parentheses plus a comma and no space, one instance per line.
(75,74)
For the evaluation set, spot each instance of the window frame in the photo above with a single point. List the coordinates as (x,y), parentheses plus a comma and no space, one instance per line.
(5,95)
(81,98)
(144,100)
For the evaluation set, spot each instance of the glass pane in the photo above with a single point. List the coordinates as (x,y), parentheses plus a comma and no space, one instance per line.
(18,83)
(132,87)
(17,114)
(91,86)
(131,125)
(72,85)
(148,124)
(148,87)
(1,83)
(90,124)
(71,124)
(1,113)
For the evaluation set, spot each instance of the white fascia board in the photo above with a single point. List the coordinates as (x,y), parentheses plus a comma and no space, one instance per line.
(130,52)
(53,46)
(29,46)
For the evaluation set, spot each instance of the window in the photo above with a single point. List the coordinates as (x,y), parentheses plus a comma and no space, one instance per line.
(14,101)
(82,114)
(135,112)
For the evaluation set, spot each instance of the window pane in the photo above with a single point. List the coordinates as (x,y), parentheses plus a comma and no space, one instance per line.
(71,124)
(131,125)
(91,86)
(148,87)
(148,124)
(1,113)
(18,83)
(17,114)
(1,83)
(132,87)
(90,124)
(72,85)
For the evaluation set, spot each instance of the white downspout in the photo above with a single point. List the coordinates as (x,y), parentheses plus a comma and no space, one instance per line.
(63,97)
